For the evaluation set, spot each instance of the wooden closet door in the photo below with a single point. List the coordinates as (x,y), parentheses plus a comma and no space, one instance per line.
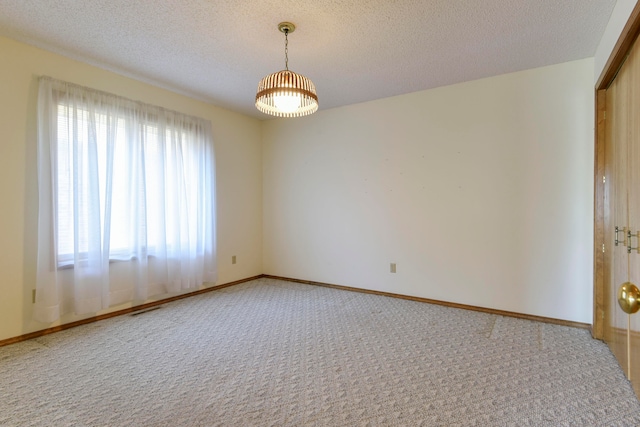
(632,78)
(622,210)
(616,216)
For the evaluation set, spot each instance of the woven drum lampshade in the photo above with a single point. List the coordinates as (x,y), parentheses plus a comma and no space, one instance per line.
(285,93)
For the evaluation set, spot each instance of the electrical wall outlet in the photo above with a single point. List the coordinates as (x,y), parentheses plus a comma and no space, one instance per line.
(393,267)
(233,259)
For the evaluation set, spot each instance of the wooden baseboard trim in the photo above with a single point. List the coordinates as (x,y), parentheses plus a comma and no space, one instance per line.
(443,303)
(140,307)
(149,305)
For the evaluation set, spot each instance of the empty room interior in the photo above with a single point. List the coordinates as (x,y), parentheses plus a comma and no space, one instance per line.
(456,167)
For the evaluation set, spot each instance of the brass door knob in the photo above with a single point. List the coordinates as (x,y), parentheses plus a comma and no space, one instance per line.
(629,298)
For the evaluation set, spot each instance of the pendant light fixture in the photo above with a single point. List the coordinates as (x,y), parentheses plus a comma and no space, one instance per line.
(285,93)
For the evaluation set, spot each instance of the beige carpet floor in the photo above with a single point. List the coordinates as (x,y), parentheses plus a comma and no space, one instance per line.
(273,353)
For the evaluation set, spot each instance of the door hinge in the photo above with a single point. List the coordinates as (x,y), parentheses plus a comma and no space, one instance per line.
(604,179)
(603,248)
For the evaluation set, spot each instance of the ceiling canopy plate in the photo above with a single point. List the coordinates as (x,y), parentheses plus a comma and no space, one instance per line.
(286,27)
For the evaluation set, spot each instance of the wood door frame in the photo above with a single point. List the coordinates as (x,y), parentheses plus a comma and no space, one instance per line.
(620,51)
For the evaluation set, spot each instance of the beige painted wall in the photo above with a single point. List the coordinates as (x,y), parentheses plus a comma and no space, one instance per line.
(481,193)
(238,160)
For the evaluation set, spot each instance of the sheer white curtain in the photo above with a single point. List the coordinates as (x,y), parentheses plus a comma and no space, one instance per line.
(126,201)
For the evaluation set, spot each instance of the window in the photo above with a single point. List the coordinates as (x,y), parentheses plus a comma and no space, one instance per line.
(120,180)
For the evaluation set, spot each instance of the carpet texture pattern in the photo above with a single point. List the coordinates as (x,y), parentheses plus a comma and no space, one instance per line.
(275,353)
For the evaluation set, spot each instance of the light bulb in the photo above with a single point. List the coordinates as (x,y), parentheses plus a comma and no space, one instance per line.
(287,103)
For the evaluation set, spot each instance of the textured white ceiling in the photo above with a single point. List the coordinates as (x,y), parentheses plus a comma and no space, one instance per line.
(354,51)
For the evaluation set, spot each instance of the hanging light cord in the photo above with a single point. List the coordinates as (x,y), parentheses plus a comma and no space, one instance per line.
(286,49)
